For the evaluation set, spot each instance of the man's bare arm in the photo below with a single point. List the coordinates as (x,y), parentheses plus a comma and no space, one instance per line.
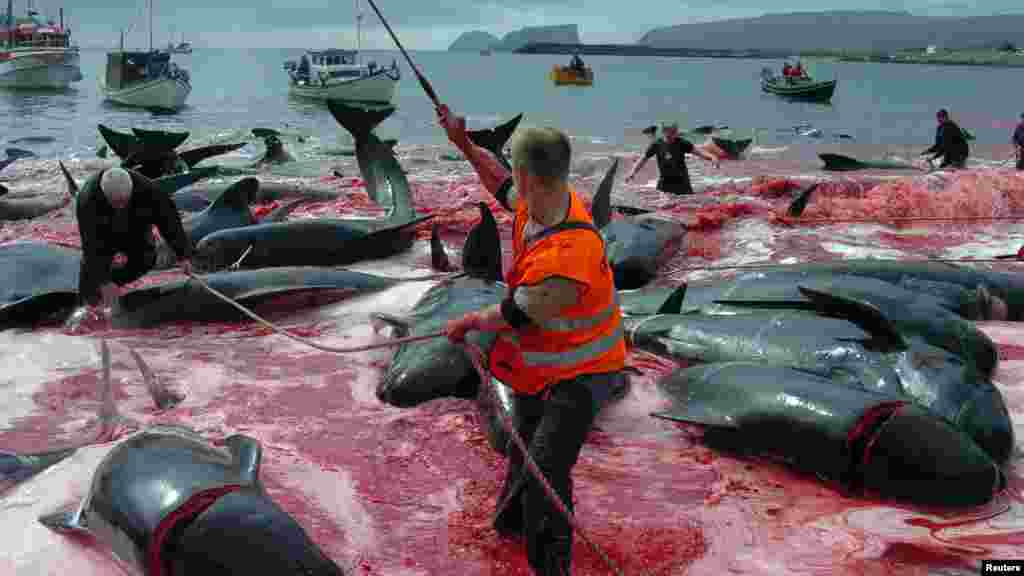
(545,301)
(541,302)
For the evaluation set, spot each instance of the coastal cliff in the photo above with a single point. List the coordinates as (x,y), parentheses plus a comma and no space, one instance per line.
(874,31)
(480,40)
(473,41)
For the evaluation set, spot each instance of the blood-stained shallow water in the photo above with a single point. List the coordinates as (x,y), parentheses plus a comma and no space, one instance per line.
(410,491)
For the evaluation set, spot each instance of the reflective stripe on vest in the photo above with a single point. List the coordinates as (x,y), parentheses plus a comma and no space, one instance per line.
(577,355)
(588,323)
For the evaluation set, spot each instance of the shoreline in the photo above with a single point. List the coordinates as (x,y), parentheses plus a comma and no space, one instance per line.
(984,58)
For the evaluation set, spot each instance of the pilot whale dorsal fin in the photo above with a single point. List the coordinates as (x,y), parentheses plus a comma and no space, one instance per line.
(863,314)
(171,184)
(674,303)
(72,185)
(197,155)
(797,206)
(236,197)
(601,208)
(438,257)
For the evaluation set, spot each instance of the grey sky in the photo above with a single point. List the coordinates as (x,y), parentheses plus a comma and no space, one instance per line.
(430,24)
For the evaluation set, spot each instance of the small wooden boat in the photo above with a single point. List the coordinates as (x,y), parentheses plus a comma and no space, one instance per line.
(569,76)
(731,145)
(798,88)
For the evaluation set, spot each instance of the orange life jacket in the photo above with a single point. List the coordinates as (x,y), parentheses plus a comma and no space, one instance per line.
(587,337)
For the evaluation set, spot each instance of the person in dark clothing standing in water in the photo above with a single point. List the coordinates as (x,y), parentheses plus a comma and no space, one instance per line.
(950,143)
(116,210)
(670,152)
(1018,142)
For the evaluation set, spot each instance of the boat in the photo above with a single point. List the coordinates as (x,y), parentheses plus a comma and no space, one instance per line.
(37,54)
(732,145)
(804,88)
(145,79)
(337,74)
(575,74)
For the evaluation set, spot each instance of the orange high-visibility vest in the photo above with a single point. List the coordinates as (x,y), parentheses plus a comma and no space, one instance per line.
(586,338)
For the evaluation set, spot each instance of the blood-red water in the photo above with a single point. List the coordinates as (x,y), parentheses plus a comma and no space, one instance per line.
(411,491)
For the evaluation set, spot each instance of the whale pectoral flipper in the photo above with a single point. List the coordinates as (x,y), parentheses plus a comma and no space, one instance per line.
(693,413)
(70,521)
(402,326)
(247,454)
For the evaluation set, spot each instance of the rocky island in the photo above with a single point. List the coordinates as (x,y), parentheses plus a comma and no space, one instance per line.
(862,36)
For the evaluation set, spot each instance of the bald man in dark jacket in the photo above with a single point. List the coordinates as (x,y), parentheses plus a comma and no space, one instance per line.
(116,211)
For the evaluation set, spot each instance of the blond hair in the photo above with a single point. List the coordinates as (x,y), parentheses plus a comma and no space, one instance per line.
(544,153)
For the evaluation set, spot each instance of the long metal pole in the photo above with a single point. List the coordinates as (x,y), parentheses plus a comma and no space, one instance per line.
(10,23)
(359,30)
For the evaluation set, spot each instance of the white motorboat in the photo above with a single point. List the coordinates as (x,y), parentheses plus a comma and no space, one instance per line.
(337,74)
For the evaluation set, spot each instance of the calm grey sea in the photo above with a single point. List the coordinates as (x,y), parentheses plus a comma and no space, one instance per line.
(236,90)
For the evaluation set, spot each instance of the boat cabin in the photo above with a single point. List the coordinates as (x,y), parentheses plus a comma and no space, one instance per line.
(327,65)
(32,33)
(126,68)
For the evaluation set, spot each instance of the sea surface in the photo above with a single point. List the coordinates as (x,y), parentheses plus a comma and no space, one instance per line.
(236,90)
(409,492)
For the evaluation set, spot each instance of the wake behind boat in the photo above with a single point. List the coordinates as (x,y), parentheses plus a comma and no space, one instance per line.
(37,54)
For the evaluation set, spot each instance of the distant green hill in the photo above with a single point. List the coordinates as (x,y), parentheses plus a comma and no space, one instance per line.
(876,31)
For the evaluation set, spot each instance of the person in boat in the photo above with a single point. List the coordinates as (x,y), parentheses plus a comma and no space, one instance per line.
(950,143)
(116,210)
(798,70)
(671,151)
(787,70)
(560,344)
(577,63)
(1018,142)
